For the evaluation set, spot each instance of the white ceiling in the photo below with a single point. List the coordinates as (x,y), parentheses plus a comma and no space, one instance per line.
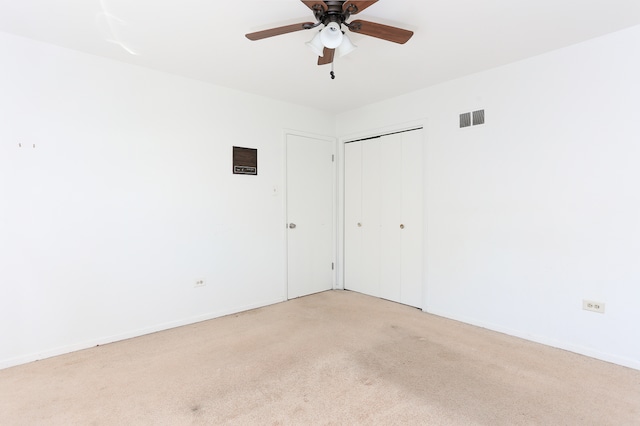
(204,39)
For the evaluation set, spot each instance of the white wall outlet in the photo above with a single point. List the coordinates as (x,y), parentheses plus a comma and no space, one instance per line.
(200,282)
(590,305)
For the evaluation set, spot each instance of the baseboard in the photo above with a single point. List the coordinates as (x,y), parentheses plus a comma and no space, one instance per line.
(12,362)
(603,356)
(626,362)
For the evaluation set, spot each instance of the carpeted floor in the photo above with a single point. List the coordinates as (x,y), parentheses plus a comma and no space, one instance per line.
(332,358)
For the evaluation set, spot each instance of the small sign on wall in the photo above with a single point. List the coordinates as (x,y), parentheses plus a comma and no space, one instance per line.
(245,161)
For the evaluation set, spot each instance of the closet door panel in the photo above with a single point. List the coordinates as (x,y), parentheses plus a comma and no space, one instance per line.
(390,173)
(371,253)
(353,217)
(412,218)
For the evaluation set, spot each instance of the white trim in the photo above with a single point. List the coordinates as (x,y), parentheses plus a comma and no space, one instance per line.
(62,350)
(581,350)
(379,131)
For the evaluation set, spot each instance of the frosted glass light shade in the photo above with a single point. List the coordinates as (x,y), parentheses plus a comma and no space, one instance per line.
(331,36)
(316,44)
(346,46)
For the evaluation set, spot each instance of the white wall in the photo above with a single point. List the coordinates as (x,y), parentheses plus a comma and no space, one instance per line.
(540,207)
(128,198)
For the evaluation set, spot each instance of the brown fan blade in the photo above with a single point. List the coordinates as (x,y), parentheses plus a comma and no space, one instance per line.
(312,3)
(327,56)
(385,32)
(259,35)
(356,6)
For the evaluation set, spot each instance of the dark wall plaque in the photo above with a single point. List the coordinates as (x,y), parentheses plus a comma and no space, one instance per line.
(245,161)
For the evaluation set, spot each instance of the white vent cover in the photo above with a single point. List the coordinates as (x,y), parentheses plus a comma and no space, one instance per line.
(465,120)
(474,118)
(478,117)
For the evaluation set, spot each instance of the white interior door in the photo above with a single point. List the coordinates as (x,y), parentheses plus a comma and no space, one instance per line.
(310,215)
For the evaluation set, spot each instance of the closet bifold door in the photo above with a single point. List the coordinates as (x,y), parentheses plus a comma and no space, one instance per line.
(383,217)
(390,175)
(372,161)
(412,219)
(362,217)
(353,217)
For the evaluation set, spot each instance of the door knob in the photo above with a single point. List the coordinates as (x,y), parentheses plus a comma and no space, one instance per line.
(359,225)
(401,226)
(292,226)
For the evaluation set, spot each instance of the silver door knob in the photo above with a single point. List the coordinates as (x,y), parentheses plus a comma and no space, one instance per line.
(292,226)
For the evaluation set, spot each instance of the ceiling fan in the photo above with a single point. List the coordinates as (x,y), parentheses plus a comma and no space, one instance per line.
(331,39)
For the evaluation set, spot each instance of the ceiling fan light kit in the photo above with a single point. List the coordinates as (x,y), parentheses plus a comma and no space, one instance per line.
(331,36)
(346,46)
(316,45)
(330,39)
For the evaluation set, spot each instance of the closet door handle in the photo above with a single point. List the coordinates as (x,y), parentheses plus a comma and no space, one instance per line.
(359,225)
(401,226)
(292,226)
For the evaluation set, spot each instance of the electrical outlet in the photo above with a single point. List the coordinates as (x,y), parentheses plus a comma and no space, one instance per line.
(590,305)
(200,283)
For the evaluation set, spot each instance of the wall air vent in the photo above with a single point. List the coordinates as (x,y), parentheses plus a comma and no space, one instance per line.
(465,120)
(474,118)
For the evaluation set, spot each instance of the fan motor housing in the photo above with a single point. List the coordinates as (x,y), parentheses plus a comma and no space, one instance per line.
(334,12)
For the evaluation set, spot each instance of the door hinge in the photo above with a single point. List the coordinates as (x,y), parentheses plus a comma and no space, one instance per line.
(333,158)
(332,266)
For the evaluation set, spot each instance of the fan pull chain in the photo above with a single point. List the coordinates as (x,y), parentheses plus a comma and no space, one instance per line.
(332,74)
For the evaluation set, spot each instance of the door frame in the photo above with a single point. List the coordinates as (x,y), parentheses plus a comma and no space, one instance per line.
(372,133)
(335,201)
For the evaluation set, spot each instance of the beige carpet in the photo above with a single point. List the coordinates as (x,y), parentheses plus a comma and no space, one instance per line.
(331,358)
